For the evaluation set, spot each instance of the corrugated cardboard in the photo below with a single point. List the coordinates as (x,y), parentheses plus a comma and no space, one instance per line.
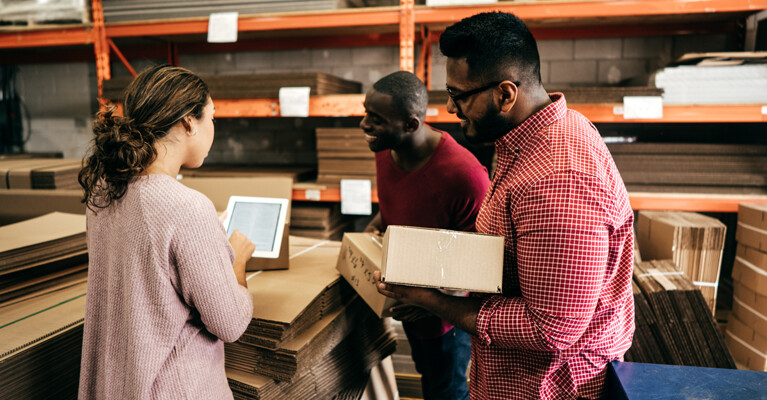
(22,204)
(745,354)
(748,315)
(219,190)
(444,259)
(750,269)
(753,214)
(751,236)
(20,177)
(360,257)
(756,339)
(757,301)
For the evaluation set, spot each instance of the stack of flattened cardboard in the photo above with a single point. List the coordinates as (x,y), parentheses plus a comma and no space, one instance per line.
(247,171)
(256,85)
(694,241)
(688,334)
(40,173)
(747,326)
(41,345)
(306,339)
(343,153)
(692,167)
(645,346)
(319,220)
(22,204)
(41,255)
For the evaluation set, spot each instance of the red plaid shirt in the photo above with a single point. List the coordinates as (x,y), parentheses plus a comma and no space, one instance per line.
(567,308)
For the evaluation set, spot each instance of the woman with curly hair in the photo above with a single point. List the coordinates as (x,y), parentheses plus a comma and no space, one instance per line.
(165,286)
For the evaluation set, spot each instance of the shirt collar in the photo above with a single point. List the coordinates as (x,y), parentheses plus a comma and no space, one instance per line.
(534,123)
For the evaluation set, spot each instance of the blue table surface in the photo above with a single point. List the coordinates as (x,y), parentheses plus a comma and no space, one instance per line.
(640,381)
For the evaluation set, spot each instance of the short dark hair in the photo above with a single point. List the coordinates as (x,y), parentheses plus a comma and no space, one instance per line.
(409,94)
(491,43)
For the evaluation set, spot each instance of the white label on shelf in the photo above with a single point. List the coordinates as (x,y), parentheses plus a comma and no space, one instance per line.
(355,197)
(618,110)
(294,101)
(764,110)
(313,194)
(432,112)
(457,2)
(222,27)
(642,107)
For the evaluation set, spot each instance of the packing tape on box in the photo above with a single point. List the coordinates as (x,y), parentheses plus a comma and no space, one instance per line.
(748,346)
(751,266)
(705,284)
(751,227)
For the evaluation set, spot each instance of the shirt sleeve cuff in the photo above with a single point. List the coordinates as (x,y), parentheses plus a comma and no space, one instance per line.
(486,311)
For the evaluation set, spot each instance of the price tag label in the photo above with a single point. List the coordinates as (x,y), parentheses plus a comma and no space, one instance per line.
(222,27)
(356,197)
(642,107)
(313,194)
(294,101)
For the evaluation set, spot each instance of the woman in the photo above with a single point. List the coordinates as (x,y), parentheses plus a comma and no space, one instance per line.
(164,286)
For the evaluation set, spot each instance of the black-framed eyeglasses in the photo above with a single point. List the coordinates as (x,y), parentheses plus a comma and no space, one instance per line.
(460,96)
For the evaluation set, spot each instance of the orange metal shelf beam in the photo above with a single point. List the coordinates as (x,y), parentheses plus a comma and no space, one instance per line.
(337,19)
(327,194)
(539,10)
(47,37)
(342,105)
(692,202)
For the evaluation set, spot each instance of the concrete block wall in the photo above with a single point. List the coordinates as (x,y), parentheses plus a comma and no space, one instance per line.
(61,97)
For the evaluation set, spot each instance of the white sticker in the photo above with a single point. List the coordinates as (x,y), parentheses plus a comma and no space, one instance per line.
(355,197)
(618,110)
(432,112)
(313,194)
(294,101)
(222,27)
(642,107)
(764,110)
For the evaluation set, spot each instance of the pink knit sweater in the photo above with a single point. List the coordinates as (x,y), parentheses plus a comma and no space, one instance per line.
(161,297)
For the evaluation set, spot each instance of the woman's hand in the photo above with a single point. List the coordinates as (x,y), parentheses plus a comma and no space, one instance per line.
(243,250)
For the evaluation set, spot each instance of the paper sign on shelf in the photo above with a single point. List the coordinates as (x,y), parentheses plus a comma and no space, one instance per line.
(356,197)
(222,27)
(642,107)
(431,3)
(294,101)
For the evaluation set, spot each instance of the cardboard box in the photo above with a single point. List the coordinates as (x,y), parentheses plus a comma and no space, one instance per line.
(753,215)
(219,190)
(745,354)
(754,338)
(751,236)
(442,259)
(748,315)
(757,301)
(360,257)
(750,269)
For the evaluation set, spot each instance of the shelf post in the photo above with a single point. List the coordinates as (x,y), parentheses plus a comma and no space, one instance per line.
(406,35)
(100,47)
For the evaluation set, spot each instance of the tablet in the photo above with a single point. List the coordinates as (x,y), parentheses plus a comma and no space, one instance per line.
(261,219)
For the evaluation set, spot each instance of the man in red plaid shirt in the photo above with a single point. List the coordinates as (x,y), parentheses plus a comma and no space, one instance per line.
(567,306)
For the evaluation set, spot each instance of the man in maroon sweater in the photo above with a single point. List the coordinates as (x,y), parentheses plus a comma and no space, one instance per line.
(425,178)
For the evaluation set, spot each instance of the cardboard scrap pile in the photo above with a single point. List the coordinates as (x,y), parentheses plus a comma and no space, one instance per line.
(248,86)
(319,220)
(673,322)
(311,336)
(43,279)
(692,167)
(694,242)
(747,326)
(40,173)
(343,153)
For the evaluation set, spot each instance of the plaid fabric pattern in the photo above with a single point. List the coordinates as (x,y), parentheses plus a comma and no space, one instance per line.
(567,308)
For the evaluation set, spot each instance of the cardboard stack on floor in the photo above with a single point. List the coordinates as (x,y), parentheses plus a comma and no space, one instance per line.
(343,153)
(747,326)
(693,241)
(673,322)
(319,220)
(311,336)
(30,187)
(43,277)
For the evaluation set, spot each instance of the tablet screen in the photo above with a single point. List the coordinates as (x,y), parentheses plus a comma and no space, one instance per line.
(258,221)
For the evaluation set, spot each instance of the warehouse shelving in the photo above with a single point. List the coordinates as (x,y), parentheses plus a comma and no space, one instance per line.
(397,26)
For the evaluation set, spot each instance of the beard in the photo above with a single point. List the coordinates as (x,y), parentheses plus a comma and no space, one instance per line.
(488,128)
